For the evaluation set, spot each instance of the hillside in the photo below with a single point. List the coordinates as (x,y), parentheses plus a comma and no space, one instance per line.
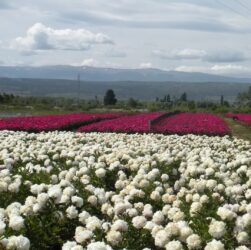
(109,74)
(148,90)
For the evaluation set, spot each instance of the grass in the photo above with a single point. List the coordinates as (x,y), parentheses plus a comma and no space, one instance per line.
(238,129)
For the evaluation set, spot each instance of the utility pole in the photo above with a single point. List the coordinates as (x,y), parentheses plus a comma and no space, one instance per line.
(78,89)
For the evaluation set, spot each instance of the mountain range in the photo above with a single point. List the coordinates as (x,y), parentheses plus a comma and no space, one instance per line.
(111,74)
(144,84)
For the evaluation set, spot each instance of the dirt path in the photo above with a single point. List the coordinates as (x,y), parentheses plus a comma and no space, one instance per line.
(238,129)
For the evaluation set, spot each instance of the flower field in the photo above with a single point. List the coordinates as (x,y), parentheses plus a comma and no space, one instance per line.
(151,122)
(52,122)
(138,123)
(192,123)
(245,118)
(103,191)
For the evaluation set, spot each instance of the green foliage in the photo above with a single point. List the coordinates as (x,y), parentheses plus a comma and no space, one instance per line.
(244,98)
(109,98)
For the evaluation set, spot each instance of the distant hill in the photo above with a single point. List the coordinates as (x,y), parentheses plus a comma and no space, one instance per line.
(147,90)
(108,74)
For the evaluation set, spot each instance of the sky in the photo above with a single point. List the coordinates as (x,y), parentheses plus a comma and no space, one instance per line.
(212,36)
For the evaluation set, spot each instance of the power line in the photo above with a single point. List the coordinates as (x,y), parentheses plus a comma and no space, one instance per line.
(232,9)
(243,5)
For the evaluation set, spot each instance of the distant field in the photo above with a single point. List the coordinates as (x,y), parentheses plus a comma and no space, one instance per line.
(141,90)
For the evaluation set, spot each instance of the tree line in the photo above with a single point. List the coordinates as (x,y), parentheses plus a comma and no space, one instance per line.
(165,102)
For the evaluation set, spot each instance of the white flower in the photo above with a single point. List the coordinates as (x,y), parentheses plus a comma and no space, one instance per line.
(18,243)
(2,227)
(147,211)
(195,207)
(172,229)
(16,222)
(217,229)
(119,225)
(225,213)
(158,217)
(83,216)
(72,212)
(78,201)
(185,231)
(242,248)
(114,237)
(93,223)
(100,173)
(161,238)
(55,192)
(193,241)
(242,237)
(246,218)
(155,195)
(214,245)
(42,198)
(82,235)
(174,245)
(78,247)
(98,245)
(69,245)
(92,200)
(139,222)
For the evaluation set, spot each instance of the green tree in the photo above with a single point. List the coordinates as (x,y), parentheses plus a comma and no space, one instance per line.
(222,100)
(168,98)
(245,98)
(110,98)
(183,97)
(132,103)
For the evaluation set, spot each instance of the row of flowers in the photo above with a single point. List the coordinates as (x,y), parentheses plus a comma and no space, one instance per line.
(53,122)
(181,123)
(245,118)
(104,191)
(192,123)
(138,123)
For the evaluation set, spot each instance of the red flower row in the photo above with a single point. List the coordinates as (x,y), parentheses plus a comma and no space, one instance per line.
(182,123)
(245,118)
(192,123)
(139,123)
(53,122)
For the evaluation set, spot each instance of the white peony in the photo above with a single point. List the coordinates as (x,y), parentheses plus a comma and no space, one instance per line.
(215,245)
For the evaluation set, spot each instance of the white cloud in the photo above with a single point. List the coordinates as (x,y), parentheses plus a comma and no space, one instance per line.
(89,63)
(196,54)
(41,37)
(191,53)
(229,68)
(180,54)
(225,56)
(185,68)
(145,65)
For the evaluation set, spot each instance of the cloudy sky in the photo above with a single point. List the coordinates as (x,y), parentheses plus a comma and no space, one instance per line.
(187,35)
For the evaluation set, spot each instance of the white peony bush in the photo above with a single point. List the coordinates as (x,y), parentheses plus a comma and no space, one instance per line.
(72,191)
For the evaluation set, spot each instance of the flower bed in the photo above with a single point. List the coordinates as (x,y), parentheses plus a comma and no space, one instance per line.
(192,123)
(139,123)
(73,191)
(53,122)
(245,118)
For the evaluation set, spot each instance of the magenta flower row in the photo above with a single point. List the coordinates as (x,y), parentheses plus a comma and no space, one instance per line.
(192,123)
(138,123)
(182,123)
(245,118)
(52,122)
